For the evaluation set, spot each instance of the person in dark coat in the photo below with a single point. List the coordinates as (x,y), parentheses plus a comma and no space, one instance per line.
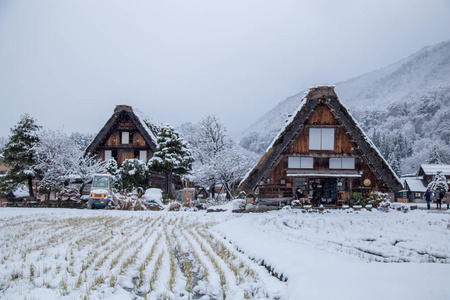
(437,195)
(427,197)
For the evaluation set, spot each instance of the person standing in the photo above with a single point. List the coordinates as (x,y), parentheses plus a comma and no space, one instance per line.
(427,197)
(447,200)
(437,196)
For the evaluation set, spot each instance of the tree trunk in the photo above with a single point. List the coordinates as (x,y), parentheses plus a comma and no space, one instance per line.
(81,189)
(30,186)
(169,184)
(213,190)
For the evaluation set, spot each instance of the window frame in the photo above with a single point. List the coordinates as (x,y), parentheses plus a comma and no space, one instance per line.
(337,163)
(322,138)
(300,162)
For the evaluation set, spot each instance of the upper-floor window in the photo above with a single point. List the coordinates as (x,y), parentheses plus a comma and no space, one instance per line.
(300,162)
(321,139)
(347,163)
(125,137)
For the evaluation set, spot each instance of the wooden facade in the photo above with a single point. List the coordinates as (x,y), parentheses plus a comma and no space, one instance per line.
(324,153)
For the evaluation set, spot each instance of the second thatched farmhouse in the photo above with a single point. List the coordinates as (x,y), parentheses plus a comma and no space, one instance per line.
(324,153)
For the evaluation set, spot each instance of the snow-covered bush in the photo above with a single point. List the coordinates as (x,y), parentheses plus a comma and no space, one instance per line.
(134,173)
(384,206)
(359,199)
(112,169)
(69,193)
(376,197)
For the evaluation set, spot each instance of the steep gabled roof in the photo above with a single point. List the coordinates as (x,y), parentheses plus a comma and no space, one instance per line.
(146,130)
(287,135)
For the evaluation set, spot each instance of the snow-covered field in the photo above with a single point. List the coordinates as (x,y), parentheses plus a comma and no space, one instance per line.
(84,254)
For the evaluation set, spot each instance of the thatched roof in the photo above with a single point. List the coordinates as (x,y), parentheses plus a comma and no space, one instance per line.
(327,96)
(146,130)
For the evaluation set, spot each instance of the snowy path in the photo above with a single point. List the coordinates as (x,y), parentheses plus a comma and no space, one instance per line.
(72,254)
(321,254)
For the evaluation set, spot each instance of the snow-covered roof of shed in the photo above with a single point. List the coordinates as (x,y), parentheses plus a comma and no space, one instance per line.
(415,184)
(431,169)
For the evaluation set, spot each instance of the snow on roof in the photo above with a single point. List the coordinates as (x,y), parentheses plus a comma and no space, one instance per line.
(144,119)
(415,185)
(289,121)
(431,169)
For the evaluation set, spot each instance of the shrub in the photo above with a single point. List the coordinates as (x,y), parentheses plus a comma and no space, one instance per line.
(134,173)
(69,192)
(376,198)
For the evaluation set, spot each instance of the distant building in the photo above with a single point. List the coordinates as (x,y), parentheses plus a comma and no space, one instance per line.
(322,151)
(417,185)
(127,135)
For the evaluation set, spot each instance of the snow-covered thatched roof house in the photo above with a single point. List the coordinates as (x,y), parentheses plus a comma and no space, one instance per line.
(127,134)
(322,151)
(428,171)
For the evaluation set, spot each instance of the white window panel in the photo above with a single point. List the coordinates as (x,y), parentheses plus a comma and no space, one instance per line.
(327,139)
(293,162)
(125,137)
(108,154)
(348,163)
(335,163)
(143,155)
(314,138)
(307,163)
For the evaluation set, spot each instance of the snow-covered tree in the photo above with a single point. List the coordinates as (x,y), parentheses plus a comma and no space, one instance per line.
(394,163)
(85,167)
(439,183)
(56,154)
(134,173)
(112,169)
(50,182)
(232,163)
(172,156)
(217,158)
(434,157)
(82,140)
(19,154)
(206,139)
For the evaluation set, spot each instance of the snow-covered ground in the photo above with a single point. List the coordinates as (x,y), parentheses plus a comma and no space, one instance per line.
(70,254)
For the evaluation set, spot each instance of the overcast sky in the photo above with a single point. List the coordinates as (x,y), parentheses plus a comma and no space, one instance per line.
(68,63)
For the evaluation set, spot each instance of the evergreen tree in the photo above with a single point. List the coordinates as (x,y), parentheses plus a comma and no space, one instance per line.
(434,157)
(394,163)
(172,156)
(19,154)
(112,169)
(439,183)
(134,173)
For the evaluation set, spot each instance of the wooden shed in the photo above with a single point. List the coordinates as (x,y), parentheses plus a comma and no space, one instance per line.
(322,151)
